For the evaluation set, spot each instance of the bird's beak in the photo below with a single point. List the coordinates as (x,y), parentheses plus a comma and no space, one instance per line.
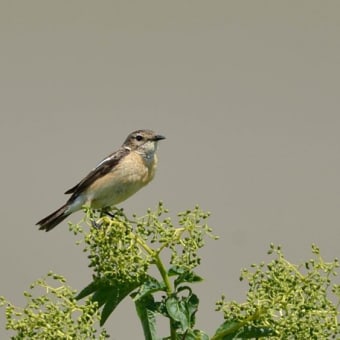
(158,137)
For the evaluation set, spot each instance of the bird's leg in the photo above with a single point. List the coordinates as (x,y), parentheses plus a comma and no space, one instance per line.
(108,212)
(112,215)
(96,225)
(102,213)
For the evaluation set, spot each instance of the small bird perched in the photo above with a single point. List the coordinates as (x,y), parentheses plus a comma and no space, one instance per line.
(115,178)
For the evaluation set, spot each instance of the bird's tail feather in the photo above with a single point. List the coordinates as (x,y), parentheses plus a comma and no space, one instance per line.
(52,220)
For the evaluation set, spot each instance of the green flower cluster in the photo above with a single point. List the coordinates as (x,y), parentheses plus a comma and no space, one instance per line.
(52,312)
(122,252)
(287,301)
(152,260)
(123,249)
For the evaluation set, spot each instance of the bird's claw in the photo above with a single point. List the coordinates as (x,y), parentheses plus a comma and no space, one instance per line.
(96,225)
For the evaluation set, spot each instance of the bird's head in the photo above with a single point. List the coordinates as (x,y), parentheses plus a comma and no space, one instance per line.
(144,141)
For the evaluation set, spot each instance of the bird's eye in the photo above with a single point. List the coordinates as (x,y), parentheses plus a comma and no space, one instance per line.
(139,138)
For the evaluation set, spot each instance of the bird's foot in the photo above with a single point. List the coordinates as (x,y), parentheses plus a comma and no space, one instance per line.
(96,225)
(110,214)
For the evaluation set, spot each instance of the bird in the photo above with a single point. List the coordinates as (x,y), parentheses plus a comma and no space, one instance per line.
(114,179)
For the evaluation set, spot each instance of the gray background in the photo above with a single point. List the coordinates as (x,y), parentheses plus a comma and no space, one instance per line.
(247,93)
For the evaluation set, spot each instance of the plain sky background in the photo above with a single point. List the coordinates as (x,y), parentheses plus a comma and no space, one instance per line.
(246,92)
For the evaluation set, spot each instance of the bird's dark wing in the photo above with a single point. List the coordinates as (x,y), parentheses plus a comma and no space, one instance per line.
(105,166)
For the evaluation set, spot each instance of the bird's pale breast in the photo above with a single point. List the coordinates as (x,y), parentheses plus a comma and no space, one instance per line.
(131,174)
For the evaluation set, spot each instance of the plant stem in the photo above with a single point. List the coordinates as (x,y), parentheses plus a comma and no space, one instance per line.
(162,270)
(165,277)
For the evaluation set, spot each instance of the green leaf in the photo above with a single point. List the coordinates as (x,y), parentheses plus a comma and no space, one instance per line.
(201,335)
(89,289)
(108,293)
(177,311)
(194,335)
(112,301)
(99,288)
(187,276)
(102,295)
(229,329)
(176,270)
(150,285)
(118,293)
(146,308)
(236,330)
(250,332)
(192,307)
